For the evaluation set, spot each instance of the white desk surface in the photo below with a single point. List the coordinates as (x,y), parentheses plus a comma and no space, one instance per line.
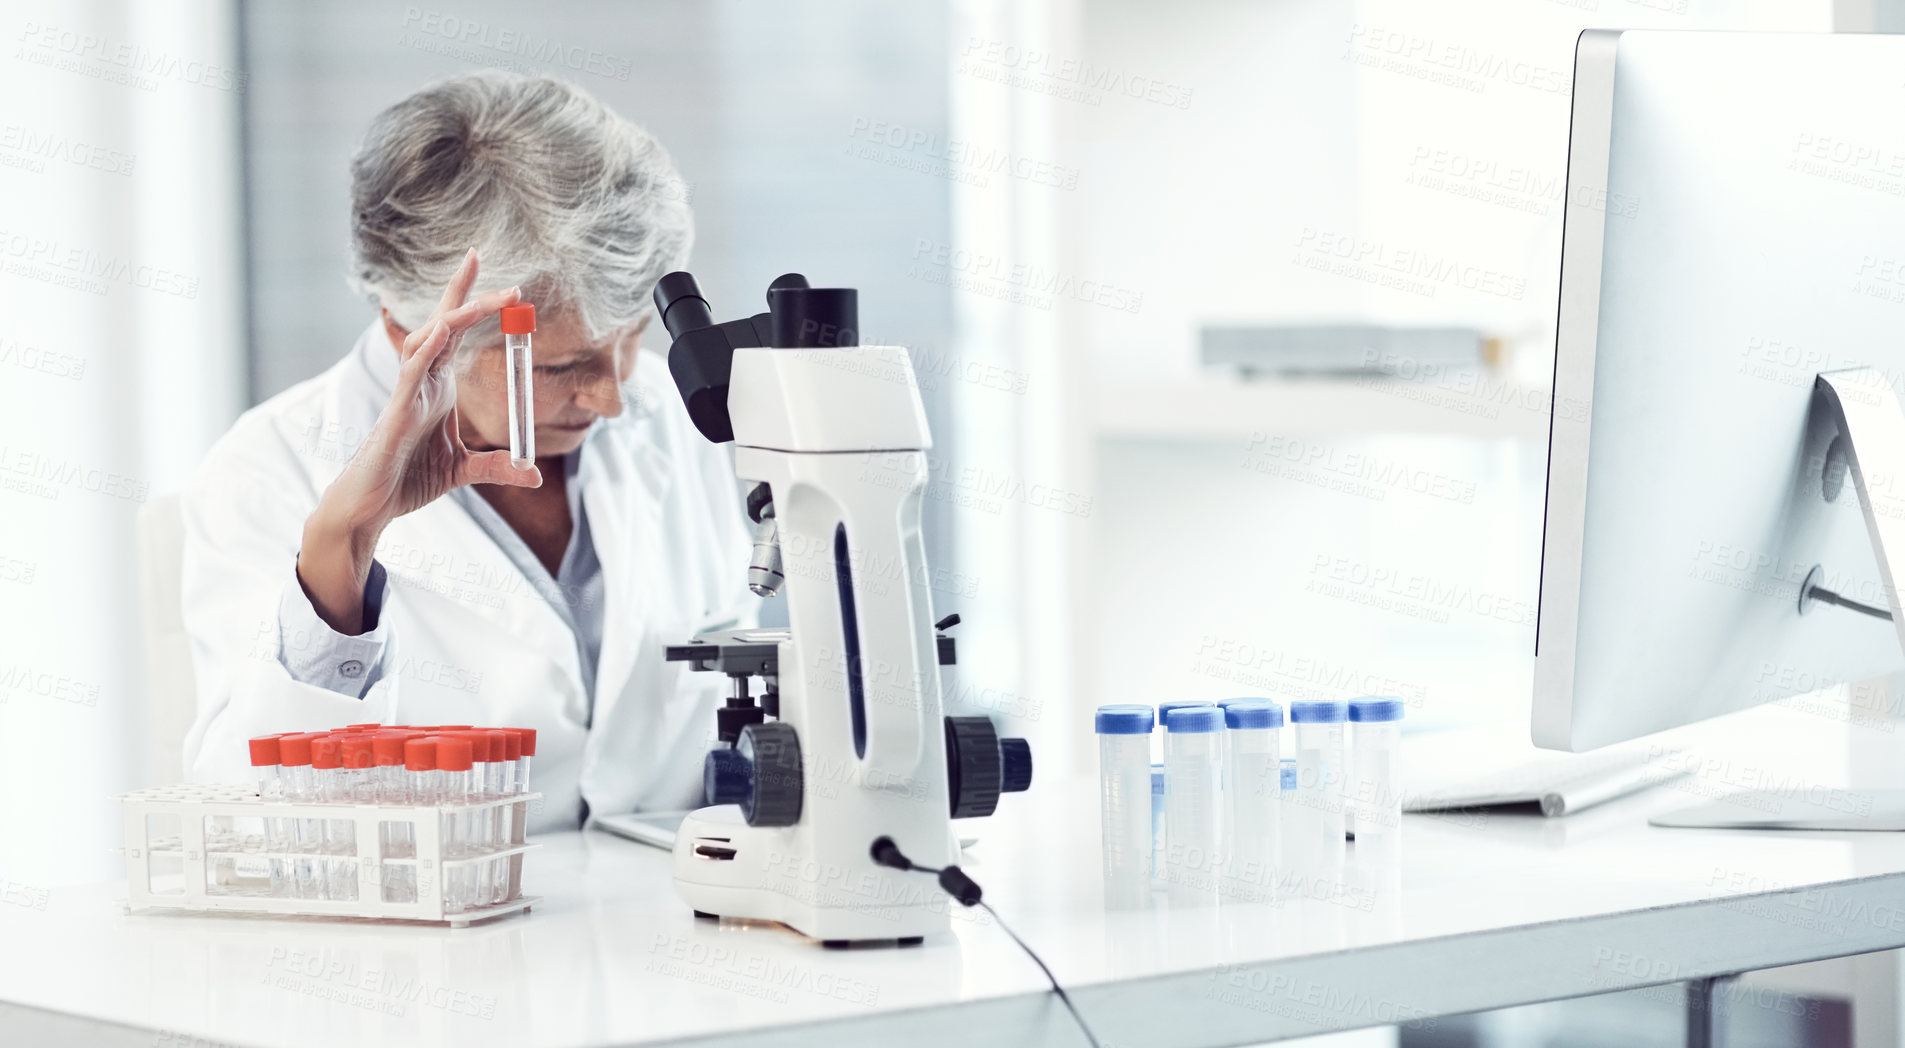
(1486,914)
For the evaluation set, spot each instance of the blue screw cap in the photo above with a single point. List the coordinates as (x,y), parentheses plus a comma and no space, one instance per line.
(1194,719)
(1318,711)
(1124,718)
(1252,713)
(1375,708)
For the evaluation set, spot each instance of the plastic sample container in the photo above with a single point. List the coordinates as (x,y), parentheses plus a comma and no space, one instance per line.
(1124,803)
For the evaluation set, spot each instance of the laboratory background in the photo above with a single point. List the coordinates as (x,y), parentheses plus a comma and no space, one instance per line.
(1092,224)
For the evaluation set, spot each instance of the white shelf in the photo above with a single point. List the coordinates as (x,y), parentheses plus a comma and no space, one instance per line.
(1483,405)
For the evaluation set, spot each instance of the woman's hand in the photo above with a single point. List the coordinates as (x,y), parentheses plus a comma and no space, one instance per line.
(412,456)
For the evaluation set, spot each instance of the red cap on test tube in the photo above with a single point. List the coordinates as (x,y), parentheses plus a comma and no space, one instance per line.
(420,754)
(327,752)
(387,747)
(512,744)
(295,750)
(358,752)
(519,319)
(453,753)
(529,741)
(264,751)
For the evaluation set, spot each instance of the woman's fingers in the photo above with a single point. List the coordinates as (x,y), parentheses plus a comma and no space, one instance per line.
(431,340)
(493,467)
(460,283)
(488,304)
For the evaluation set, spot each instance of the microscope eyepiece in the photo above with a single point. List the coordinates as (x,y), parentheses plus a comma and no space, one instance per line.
(682,308)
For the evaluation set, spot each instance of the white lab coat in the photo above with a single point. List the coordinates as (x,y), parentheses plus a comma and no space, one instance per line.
(470,641)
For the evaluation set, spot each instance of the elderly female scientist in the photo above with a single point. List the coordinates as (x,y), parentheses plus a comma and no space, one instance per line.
(359,548)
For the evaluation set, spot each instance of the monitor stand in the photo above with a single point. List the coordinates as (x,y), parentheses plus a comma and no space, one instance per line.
(1871,430)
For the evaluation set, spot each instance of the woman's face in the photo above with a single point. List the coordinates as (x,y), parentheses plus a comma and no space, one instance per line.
(575,382)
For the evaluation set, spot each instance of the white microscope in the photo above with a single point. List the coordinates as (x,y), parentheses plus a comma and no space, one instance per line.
(849,746)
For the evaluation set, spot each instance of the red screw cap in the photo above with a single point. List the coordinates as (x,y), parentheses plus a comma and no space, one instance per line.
(264,751)
(519,319)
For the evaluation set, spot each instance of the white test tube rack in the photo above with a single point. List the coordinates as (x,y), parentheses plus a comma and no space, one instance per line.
(181,862)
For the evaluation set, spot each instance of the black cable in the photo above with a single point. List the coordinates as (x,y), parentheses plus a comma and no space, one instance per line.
(967,892)
(1823,594)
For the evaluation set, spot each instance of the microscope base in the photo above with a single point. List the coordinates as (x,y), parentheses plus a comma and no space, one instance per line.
(726,868)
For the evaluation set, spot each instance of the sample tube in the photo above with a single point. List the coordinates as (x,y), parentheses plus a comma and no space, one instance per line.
(1193,766)
(505,750)
(1254,788)
(340,835)
(299,782)
(395,837)
(454,786)
(263,871)
(1375,784)
(1158,843)
(420,774)
(1317,814)
(518,323)
(1124,803)
(521,808)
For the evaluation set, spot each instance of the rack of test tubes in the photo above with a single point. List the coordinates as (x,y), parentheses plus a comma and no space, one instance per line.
(376,821)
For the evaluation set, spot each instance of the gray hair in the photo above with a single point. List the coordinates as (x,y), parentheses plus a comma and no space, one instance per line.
(557,193)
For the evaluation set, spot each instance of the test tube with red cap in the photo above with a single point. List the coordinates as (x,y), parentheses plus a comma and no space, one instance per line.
(519,322)
(264,767)
(299,782)
(340,835)
(476,824)
(454,788)
(502,825)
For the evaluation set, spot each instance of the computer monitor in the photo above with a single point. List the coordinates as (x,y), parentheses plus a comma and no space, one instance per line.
(1734,228)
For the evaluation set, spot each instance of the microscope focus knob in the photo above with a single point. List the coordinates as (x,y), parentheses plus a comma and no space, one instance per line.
(724,777)
(1015,757)
(974,769)
(772,751)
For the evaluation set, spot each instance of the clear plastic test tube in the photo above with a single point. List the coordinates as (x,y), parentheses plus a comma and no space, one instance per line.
(1193,769)
(1124,803)
(506,748)
(1158,843)
(1253,788)
(299,781)
(395,840)
(1317,814)
(1375,790)
(340,835)
(519,322)
(454,787)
